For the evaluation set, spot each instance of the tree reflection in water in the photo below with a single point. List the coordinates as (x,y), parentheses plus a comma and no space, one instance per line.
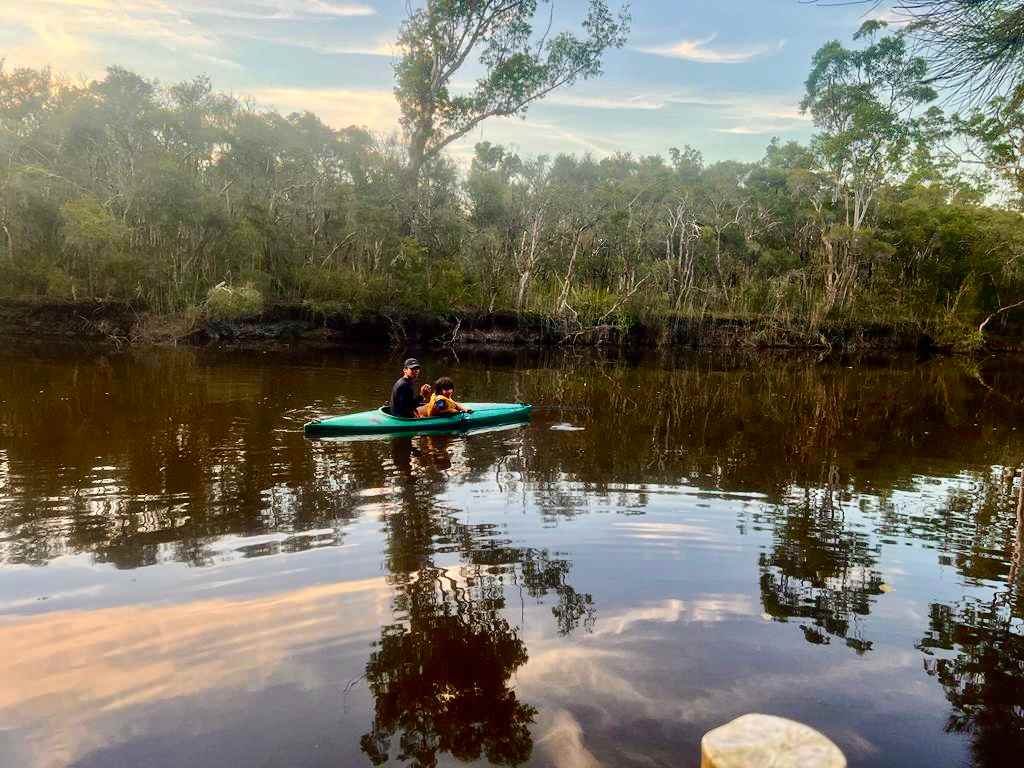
(821,570)
(976,646)
(440,674)
(818,569)
(983,680)
(440,679)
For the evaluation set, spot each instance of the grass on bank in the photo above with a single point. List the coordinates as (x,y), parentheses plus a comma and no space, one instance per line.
(785,311)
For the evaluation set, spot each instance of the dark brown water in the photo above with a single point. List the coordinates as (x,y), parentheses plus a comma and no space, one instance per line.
(186,580)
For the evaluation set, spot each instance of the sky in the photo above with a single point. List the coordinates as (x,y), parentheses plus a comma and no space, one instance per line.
(724,76)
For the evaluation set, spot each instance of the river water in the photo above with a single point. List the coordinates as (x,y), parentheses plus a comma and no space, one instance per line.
(670,543)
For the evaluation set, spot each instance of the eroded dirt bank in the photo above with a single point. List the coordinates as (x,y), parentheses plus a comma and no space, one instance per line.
(122,324)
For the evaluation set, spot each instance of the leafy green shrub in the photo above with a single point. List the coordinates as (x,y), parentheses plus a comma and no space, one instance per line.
(225,302)
(268,285)
(593,305)
(320,284)
(958,335)
(18,279)
(445,290)
(59,284)
(346,291)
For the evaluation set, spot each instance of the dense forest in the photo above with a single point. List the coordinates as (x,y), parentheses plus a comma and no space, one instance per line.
(182,200)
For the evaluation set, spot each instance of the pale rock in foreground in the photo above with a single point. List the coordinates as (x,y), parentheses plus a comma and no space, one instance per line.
(764,741)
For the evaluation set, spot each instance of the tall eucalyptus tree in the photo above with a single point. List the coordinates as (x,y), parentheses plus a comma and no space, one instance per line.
(522,61)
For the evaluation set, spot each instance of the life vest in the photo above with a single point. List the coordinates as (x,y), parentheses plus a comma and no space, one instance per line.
(440,405)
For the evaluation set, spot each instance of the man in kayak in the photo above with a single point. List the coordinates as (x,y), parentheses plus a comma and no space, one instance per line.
(404,399)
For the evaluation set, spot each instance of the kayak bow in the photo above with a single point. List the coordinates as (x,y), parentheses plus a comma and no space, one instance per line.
(380,422)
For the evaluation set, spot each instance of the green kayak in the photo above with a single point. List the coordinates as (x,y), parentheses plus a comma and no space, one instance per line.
(380,422)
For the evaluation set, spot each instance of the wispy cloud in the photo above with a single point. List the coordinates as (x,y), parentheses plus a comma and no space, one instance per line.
(217,61)
(737,113)
(43,44)
(82,34)
(699,50)
(167,39)
(74,34)
(607,102)
(758,118)
(276,10)
(338,9)
(652,100)
(382,47)
(748,130)
(137,20)
(339,107)
(551,130)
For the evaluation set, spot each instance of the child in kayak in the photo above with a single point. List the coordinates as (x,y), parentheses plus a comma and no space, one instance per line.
(442,401)
(425,392)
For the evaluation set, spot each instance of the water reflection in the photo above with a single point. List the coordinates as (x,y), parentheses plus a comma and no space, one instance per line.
(982,679)
(857,518)
(77,685)
(819,569)
(975,646)
(136,453)
(440,674)
(441,679)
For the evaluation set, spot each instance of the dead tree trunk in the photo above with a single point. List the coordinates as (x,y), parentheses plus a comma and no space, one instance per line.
(10,243)
(577,243)
(990,318)
(526,259)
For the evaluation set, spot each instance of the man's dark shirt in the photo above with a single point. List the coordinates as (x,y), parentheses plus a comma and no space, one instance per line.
(404,399)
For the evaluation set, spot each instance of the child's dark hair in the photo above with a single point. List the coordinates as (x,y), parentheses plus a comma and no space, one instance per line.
(442,384)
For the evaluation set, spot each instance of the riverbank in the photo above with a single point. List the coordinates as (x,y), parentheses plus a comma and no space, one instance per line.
(121,324)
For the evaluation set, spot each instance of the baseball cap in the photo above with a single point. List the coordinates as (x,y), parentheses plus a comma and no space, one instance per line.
(412,362)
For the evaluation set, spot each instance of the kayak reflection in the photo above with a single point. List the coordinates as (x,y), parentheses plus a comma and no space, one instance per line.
(429,452)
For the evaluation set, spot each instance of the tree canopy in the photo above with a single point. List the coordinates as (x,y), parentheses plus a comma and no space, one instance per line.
(974,47)
(178,199)
(522,57)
